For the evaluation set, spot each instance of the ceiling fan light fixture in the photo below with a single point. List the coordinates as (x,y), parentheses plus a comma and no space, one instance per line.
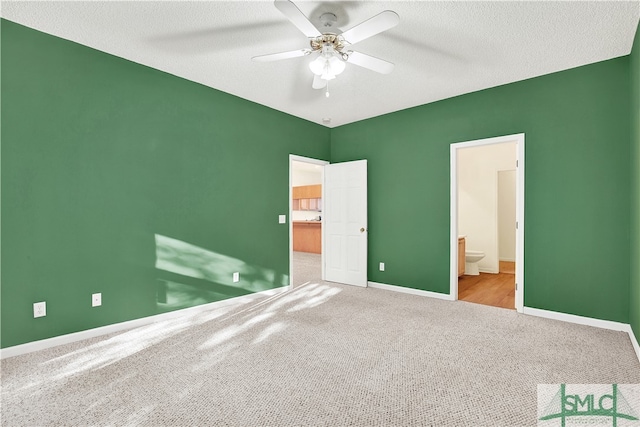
(327,65)
(332,47)
(317,66)
(337,66)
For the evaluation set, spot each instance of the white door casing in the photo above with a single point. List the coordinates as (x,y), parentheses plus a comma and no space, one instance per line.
(520,199)
(345,223)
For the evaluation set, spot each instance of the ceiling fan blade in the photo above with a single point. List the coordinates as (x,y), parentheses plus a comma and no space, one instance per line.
(372,26)
(281,55)
(370,62)
(318,83)
(297,18)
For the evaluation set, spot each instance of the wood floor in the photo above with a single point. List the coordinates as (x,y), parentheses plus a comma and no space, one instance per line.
(497,290)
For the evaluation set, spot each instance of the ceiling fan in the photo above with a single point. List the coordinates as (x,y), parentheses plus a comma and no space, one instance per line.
(331,48)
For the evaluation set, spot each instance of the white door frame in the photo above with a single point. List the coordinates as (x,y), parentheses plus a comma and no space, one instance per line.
(292,158)
(519,140)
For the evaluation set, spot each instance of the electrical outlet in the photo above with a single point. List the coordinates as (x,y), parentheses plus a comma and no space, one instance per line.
(282,219)
(382,266)
(39,309)
(96,300)
(236,277)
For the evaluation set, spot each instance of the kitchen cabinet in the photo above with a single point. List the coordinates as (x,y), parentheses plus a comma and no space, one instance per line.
(307,236)
(307,198)
(307,192)
(307,205)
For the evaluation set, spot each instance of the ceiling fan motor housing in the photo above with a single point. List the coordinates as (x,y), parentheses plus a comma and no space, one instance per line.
(329,43)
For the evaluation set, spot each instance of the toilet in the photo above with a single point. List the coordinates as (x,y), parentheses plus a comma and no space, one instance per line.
(471,259)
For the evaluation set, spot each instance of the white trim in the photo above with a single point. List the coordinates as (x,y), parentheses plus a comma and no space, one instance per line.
(588,321)
(453,218)
(634,341)
(520,200)
(580,320)
(411,291)
(117,327)
(292,158)
(453,224)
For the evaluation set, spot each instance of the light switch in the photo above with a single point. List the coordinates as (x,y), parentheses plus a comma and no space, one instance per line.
(282,219)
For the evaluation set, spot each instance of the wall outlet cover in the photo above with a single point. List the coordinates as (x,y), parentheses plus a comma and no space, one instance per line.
(96,300)
(282,219)
(39,309)
(236,277)
(382,266)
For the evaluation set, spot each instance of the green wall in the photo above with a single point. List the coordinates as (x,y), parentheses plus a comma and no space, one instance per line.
(576,126)
(109,166)
(121,179)
(634,295)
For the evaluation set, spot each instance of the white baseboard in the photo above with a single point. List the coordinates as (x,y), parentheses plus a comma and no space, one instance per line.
(117,327)
(580,320)
(571,318)
(634,341)
(411,291)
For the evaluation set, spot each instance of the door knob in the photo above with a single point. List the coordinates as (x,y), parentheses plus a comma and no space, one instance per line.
(362,230)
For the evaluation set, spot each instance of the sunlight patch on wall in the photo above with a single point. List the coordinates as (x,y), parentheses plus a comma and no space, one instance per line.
(177,256)
(173,295)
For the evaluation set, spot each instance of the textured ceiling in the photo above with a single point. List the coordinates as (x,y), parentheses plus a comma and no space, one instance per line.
(440,49)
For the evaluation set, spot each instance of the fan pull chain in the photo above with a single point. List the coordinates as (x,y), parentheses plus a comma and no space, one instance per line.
(327,92)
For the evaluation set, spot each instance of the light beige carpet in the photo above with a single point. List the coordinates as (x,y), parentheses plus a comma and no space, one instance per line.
(320,355)
(306,268)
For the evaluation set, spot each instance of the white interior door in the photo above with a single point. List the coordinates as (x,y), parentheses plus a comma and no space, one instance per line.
(345,223)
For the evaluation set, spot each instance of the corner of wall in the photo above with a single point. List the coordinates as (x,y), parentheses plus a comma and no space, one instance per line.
(634,252)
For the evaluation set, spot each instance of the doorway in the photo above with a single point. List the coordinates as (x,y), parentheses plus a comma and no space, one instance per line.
(306,176)
(481,172)
(339,215)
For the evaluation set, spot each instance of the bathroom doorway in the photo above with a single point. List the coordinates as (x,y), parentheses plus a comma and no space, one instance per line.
(487,206)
